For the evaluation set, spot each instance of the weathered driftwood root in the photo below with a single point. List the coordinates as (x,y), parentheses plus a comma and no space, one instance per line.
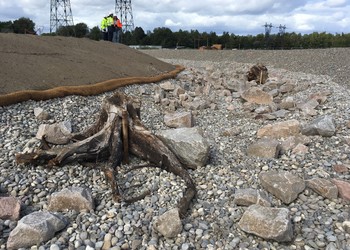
(258,73)
(117,131)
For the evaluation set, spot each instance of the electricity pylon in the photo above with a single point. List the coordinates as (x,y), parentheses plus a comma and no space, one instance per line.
(60,14)
(282,29)
(123,10)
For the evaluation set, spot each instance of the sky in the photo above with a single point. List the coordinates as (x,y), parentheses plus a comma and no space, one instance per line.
(240,17)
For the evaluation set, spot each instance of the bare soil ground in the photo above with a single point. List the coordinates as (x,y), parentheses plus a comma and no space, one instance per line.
(41,62)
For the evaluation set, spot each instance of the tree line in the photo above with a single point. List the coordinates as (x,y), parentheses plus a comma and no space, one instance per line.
(166,38)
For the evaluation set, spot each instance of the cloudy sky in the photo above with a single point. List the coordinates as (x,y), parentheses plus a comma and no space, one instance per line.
(241,17)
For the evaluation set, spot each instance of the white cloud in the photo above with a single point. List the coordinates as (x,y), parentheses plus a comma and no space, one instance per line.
(336,3)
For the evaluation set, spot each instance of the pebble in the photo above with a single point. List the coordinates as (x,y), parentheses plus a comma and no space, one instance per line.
(211,221)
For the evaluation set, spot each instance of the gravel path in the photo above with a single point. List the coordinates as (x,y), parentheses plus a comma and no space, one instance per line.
(212,220)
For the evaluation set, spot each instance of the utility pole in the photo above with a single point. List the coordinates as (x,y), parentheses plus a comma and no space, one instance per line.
(123,9)
(60,14)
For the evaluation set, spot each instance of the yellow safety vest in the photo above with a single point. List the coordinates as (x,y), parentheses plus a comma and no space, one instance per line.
(109,21)
(104,23)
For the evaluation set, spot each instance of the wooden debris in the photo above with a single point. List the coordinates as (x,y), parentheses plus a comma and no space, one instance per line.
(117,131)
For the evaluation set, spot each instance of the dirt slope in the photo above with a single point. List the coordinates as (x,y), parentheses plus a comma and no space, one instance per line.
(38,63)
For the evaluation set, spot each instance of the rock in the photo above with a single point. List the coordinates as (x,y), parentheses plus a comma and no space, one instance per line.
(343,189)
(237,85)
(265,148)
(280,113)
(165,101)
(280,129)
(107,244)
(250,196)
(178,91)
(179,120)
(196,105)
(10,208)
(346,226)
(300,149)
(167,86)
(292,142)
(287,87)
(234,131)
(285,186)
(168,224)
(58,133)
(323,187)
(323,126)
(256,95)
(73,198)
(308,107)
(40,114)
(263,109)
(320,97)
(341,168)
(274,92)
(187,144)
(34,229)
(268,223)
(287,103)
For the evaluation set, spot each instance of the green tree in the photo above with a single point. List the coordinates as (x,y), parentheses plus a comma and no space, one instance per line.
(95,33)
(6,27)
(65,31)
(164,37)
(23,25)
(81,30)
(138,35)
(183,39)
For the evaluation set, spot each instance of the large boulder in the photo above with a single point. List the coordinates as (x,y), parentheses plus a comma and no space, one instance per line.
(168,224)
(268,223)
(323,187)
(264,148)
(256,95)
(34,229)
(280,129)
(57,133)
(343,188)
(250,196)
(284,185)
(179,120)
(187,144)
(323,126)
(73,198)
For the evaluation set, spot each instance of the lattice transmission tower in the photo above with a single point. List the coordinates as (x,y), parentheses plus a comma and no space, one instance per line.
(123,9)
(60,14)
(268,28)
(282,29)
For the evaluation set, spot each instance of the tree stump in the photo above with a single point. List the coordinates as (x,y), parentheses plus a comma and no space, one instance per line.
(258,73)
(116,132)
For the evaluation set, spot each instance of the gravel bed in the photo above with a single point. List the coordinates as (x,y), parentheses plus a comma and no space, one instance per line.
(333,62)
(212,220)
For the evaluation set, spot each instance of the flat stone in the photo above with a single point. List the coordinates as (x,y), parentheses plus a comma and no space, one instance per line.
(323,187)
(284,185)
(267,223)
(10,208)
(280,129)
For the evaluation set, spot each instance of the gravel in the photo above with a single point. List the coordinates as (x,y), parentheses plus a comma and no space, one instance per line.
(212,220)
(333,62)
